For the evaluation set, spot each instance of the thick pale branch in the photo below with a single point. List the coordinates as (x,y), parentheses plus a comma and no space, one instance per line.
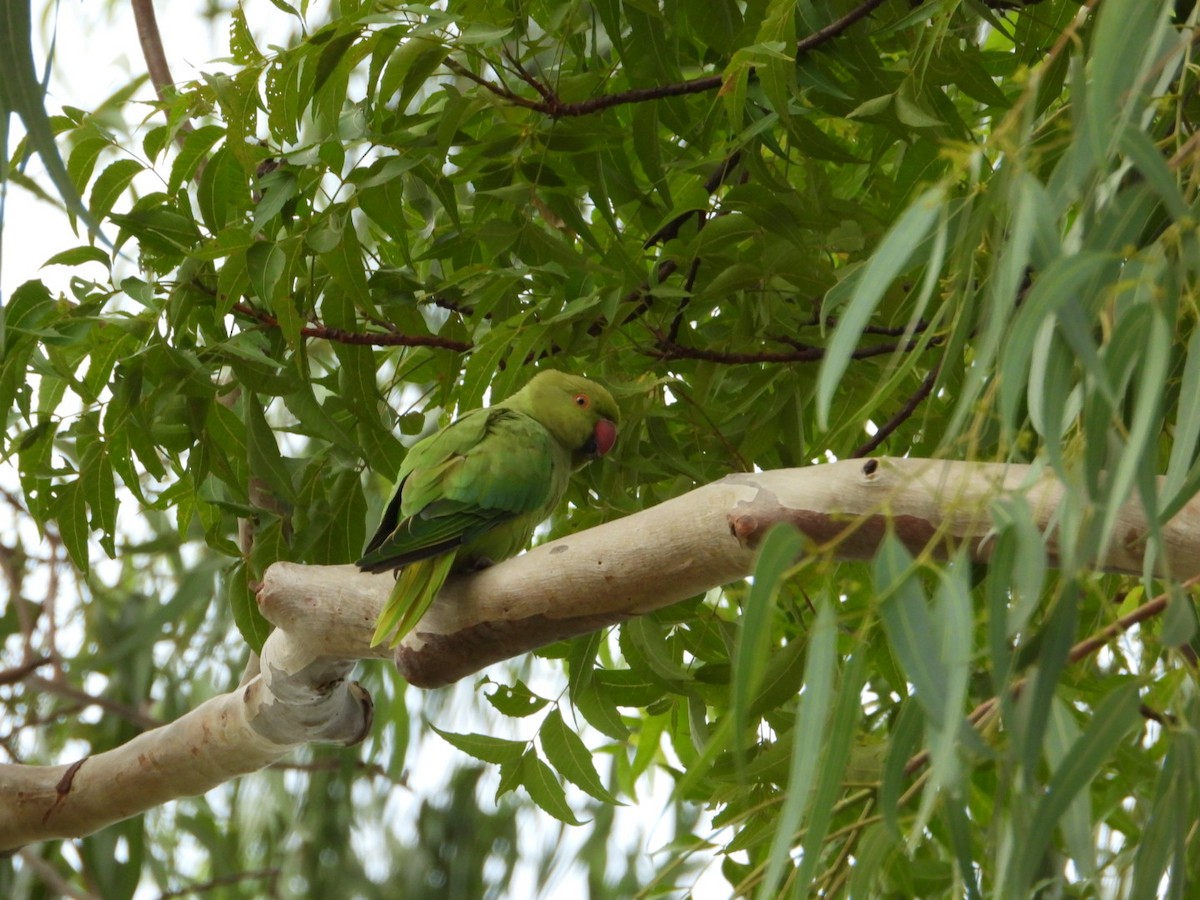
(678,549)
(300,696)
(684,547)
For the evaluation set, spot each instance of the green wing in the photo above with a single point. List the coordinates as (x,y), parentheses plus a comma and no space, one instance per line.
(485,469)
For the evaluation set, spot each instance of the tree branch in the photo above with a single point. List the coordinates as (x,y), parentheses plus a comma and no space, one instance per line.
(665,348)
(553,106)
(682,548)
(301,695)
(324,615)
(365,338)
(925,389)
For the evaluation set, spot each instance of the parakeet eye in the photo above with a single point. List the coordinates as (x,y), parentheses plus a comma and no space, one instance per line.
(583,401)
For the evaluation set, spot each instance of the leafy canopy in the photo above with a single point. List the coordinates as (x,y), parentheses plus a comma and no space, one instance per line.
(775,228)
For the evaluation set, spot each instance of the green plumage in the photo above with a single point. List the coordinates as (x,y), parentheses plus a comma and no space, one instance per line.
(472,493)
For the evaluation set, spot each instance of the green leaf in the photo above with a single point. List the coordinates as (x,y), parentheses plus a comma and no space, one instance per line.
(110,185)
(244,604)
(262,451)
(20,92)
(910,628)
(807,744)
(484,746)
(515,699)
(891,258)
(544,789)
(1115,716)
(776,556)
(77,256)
(70,511)
(565,750)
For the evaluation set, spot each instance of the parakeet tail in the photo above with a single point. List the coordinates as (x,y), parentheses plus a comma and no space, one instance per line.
(418,584)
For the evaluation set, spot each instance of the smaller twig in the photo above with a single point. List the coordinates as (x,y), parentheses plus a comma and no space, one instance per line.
(900,417)
(361,338)
(19,673)
(499,90)
(666,349)
(222,881)
(51,877)
(70,692)
(546,94)
(1078,652)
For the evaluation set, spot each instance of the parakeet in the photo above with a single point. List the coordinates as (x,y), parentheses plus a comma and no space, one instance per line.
(472,494)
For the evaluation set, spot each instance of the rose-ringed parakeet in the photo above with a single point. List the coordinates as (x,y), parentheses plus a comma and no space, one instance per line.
(472,493)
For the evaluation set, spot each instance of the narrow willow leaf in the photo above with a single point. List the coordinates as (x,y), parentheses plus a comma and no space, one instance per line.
(1125,40)
(777,554)
(958,824)
(839,741)
(1164,840)
(1145,427)
(891,258)
(1186,437)
(954,627)
(1067,277)
(910,627)
(870,859)
(807,744)
(21,92)
(1141,151)
(1033,707)
(1061,735)
(1115,716)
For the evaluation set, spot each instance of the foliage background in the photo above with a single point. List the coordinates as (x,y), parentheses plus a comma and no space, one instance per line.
(952,229)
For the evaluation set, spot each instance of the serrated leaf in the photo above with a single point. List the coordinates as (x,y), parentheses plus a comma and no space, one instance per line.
(516,699)
(484,747)
(262,451)
(568,754)
(544,789)
(70,511)
(110,185)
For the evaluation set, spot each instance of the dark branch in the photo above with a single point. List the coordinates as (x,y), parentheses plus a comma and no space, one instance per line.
(664,348)
(361,338)
(552,105)
(899,418)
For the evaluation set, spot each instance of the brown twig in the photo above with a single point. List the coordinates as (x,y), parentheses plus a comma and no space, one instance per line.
(552,105)
(666,349)
(1078,652)
(900,417)
(222,881)
(156,58)
(362,338)
(18,673)
(70,692)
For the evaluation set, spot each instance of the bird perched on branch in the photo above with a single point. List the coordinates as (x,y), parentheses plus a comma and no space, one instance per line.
(472,493)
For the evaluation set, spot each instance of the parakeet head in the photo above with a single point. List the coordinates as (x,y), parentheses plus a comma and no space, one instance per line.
(581,414)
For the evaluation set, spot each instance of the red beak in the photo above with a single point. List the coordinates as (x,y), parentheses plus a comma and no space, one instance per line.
(605,435)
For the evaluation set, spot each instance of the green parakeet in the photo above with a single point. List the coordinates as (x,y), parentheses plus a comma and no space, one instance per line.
(472,493)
